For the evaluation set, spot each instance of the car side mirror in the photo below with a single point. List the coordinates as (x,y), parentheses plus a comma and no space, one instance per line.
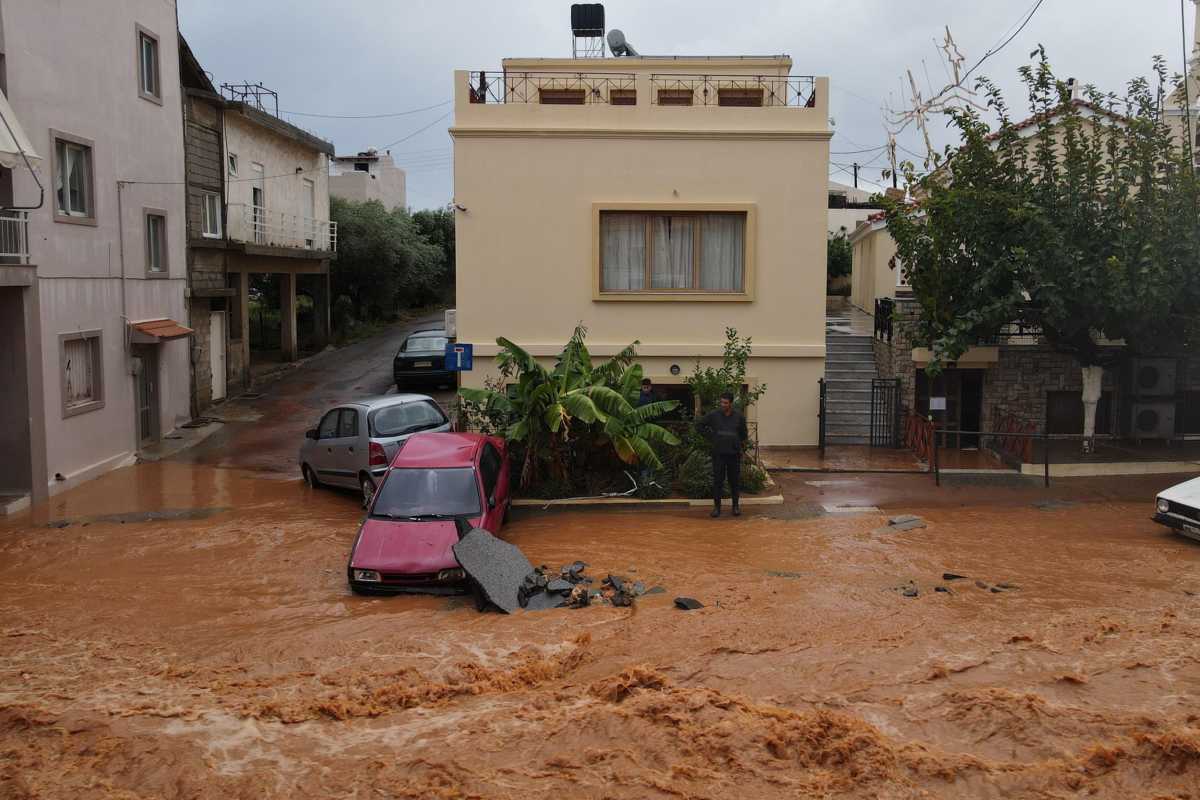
(311,433)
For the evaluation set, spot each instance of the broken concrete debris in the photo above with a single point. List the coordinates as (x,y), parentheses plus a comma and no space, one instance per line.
(688,603)
(903,522)
(496,568)
(951,576)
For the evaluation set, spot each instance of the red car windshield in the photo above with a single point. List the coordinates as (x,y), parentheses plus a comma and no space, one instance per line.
(428,493)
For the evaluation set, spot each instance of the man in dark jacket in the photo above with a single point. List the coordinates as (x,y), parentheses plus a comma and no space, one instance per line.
(725,429)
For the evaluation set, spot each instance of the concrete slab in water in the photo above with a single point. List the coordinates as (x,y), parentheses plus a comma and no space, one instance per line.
(497,566)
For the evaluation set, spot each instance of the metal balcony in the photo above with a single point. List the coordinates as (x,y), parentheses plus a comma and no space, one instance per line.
(14,237)
(263,226)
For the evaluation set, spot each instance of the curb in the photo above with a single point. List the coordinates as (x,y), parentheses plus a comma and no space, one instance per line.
(633,502)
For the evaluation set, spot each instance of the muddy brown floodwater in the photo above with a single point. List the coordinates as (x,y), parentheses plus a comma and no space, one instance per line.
(162,645)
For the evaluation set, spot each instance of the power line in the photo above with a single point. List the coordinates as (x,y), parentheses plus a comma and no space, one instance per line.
(368,116)
(418,130)
(852,152)
(995,50)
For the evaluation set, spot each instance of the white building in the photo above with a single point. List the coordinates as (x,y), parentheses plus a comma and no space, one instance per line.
(95,363)
(368,176)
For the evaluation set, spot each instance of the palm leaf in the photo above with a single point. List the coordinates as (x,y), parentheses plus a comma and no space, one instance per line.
(609,400)
(581,407)
(654,410)
(656,433)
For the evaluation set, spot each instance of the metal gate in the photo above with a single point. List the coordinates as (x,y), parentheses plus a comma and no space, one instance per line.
(821,415)
(885,412)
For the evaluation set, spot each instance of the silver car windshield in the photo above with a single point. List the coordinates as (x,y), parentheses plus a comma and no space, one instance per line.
(430,493)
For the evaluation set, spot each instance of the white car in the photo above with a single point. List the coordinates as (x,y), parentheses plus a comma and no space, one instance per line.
(1179,508)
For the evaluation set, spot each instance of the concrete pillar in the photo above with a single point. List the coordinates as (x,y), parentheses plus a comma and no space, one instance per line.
(243,312)
(287,316)
(321,312)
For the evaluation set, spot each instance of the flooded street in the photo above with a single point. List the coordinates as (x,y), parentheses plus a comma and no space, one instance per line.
(183,629)
(199,651)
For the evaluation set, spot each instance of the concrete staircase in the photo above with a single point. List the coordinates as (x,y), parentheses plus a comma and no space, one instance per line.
(849,368)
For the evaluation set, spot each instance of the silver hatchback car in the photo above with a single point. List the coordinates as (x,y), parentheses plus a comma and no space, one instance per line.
(354,443)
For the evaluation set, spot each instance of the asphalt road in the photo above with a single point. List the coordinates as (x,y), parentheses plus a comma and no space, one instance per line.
(265,433)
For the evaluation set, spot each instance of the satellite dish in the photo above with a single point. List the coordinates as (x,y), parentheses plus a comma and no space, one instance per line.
(618,45)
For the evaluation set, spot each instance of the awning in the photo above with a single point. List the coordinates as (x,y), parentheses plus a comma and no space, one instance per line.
(154,331)
(13,140)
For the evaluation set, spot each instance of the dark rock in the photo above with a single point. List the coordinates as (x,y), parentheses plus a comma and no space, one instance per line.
(910,590)
(656,590)
(942,589)
(950,576)
(639,588)
(997,589)
(579,597)
(571,570)
(559,586)
(616,582)
(981,584)
(688,603)
(621,600)
(542,601)
(498,568)
(59,524)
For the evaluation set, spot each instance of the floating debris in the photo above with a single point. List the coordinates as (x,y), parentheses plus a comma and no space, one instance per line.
(688,603)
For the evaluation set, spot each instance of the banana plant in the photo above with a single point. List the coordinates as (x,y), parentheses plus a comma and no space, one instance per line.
(547,409)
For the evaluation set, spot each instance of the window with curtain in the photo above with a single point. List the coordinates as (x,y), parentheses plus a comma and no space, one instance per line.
(73,178)
(679,251)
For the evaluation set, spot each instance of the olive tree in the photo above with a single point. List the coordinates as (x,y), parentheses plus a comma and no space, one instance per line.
(1087,227)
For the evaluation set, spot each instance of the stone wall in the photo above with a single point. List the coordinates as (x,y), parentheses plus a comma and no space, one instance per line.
(1018,383)
(894,359)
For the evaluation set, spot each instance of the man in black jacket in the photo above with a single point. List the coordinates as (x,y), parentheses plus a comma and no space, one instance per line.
(725,429)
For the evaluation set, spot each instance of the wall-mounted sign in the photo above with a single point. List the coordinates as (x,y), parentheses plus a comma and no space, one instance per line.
(459,357)
(937,404)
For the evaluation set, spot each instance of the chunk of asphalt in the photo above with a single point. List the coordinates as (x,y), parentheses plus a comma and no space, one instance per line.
(906,525)
(656,590)
(904,518)
(615,581)
(543,601)
(498,567)
(559,586)
(981,585)
(688,603)
(942,589)
(951,576)
(639,588)
(910,591)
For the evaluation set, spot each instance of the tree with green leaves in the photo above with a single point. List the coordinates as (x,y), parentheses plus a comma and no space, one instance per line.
(384,260)
(839,255)
(1088,228)
(548,409)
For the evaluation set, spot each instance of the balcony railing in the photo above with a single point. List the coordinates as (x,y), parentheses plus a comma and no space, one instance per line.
(14,237)
(797,91)
(553,88)
(264,226)
(620,89)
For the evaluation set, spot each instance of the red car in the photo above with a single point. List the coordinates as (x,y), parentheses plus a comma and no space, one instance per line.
(438,486)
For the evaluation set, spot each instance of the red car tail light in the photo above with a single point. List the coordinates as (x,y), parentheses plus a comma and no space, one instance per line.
(378,456)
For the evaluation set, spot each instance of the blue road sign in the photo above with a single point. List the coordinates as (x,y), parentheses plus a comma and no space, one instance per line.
(459,357)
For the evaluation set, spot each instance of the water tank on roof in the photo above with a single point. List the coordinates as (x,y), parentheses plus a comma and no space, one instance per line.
(587,19)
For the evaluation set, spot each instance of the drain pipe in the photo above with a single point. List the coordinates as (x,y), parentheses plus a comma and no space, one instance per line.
(121,258)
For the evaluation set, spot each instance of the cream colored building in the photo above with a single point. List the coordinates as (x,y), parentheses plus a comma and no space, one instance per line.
(368,176)
(656,199)
(875,270)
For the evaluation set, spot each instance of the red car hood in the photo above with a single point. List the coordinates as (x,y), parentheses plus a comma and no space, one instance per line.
(387,545)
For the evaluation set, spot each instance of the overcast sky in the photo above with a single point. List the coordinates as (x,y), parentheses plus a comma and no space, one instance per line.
(360,57)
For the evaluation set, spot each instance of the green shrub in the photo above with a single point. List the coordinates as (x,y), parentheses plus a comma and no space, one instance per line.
(695,476)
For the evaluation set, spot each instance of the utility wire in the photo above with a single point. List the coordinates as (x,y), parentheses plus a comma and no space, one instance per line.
(368,116)
(997,49)
(418,130)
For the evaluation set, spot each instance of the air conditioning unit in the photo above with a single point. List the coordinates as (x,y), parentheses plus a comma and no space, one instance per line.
(1154,420)
(1153,377)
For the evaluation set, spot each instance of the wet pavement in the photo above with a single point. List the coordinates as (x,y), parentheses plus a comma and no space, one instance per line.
(183,629)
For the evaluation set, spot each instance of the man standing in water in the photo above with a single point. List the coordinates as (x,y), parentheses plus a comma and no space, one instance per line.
(726,432)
